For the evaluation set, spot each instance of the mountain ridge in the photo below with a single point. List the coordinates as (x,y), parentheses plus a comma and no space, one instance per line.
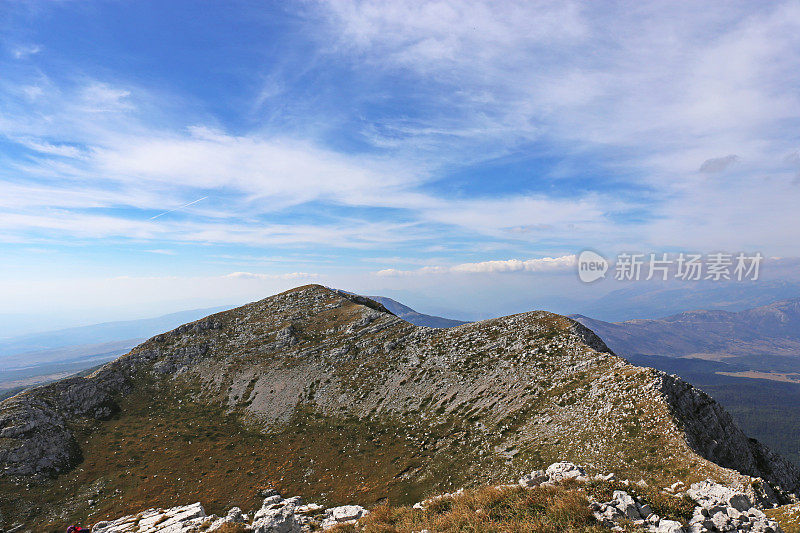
(430,409)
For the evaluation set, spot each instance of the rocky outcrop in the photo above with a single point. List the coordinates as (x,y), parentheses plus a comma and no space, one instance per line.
(175,520)
(35,437)
(718,508)
(276,515)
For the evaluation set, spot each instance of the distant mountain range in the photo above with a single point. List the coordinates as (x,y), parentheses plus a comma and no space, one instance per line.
(37,358)
(655,299)
(99,333)
(418,319)
(765,338)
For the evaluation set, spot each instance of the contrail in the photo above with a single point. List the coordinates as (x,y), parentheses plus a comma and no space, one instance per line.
(177,208)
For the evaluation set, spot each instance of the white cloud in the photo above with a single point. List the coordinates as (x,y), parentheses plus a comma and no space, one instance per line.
(654,89)
(99,97)
(544,264)
(23,51)
(44,147)
(572,76)
(272,172)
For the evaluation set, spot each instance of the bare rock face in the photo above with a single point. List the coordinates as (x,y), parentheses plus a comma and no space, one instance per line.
(34,433)
(176,520)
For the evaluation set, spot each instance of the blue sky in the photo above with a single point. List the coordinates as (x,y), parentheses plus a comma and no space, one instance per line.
(392,148)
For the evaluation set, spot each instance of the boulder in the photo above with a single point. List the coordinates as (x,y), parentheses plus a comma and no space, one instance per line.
(709,494)
(626,505)
(560,471)
(277,516)
(534,479)
(346,514)
(669,526)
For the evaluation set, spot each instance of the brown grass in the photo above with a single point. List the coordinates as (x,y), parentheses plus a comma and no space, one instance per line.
(489,510)
(162,453)
(788,516)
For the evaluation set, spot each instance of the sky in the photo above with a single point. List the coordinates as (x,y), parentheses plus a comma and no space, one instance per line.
(456,155)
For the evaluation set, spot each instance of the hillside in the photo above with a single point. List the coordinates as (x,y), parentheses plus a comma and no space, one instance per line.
(329,395)
(749,361)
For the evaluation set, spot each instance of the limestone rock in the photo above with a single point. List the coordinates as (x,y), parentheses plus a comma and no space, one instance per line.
(176,520)
(561,471)
(346,514)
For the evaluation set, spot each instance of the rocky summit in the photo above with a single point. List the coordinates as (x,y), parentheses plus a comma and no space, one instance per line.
(329,395)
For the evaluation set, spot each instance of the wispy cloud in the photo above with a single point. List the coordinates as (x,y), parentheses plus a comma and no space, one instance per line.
(718,164)
(23,51)
(438,133)
(161,251)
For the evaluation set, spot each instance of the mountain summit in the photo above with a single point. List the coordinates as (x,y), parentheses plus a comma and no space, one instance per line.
(327,394)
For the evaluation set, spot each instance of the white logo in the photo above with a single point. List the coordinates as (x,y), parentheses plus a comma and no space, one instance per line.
(591,266)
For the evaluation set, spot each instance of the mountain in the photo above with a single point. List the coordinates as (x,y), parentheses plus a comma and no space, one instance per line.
(654,299)
(23,362)
(418,319)
(327,394)
(764,338)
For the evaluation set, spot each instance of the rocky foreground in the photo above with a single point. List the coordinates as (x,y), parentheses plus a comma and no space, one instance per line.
(717,509)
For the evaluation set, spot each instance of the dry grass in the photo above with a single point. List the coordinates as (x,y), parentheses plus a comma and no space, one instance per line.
(558,509)
(787,516)
(664,505)
(161,453)
(488,510)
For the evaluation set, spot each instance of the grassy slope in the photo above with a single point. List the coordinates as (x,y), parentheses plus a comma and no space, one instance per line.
(166,451)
